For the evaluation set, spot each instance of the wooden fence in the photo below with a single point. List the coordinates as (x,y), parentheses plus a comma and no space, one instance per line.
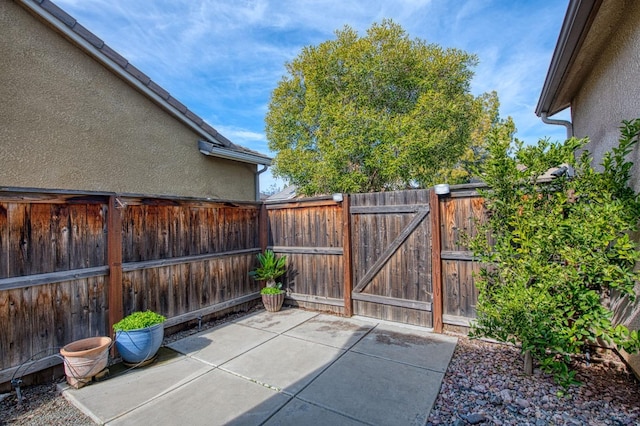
(311,233)
(186,258)
(384,255)
(72,264)
(392,256)
(459,213)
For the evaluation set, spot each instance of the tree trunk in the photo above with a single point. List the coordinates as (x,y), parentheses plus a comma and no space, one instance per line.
(528,363)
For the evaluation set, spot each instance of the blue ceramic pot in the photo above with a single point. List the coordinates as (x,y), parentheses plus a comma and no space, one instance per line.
(137,346)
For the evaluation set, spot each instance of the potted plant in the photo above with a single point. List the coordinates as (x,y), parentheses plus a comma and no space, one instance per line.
(139,336)
(270,268)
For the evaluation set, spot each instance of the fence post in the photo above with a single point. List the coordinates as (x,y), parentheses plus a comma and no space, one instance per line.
(436,261)
(114,261)
(263,225)
(346,256)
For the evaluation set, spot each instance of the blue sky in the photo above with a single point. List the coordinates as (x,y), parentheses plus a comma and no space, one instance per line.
(222,58)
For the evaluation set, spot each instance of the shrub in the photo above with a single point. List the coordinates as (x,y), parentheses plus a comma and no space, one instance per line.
(553,251)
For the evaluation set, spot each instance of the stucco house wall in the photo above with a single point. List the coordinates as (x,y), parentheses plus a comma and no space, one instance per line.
(611,91)
(68,122)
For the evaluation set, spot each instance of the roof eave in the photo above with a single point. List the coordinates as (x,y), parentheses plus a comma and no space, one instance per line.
(207,148)
(577,21)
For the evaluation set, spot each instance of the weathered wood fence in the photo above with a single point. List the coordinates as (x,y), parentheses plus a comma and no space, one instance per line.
(384,255)
(311,233)
(459,213)
(72,264)
(392,255)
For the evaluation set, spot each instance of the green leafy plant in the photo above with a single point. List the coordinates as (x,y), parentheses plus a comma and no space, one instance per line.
(270,268)
(553,251)
(277,289)
(138,320)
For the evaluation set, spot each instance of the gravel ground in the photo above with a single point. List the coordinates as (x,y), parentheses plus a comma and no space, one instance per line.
(484,384)
(41,405)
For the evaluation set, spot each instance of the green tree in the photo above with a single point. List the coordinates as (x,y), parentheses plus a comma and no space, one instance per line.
(554,250)
(371,113)
(470,165)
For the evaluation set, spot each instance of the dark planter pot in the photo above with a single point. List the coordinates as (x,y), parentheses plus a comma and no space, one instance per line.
(137,346)
(273,302)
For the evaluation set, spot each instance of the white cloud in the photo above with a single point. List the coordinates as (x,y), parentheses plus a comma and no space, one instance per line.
(241,134)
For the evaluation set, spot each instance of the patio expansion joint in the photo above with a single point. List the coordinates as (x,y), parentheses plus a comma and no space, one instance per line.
(252,380)
(395,361)
(303,322)
(326,345)
(341,353)
(295,395)
(405,326)
(421,367)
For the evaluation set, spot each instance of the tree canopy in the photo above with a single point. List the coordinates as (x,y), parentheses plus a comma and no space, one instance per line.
(372,113)
(488,123)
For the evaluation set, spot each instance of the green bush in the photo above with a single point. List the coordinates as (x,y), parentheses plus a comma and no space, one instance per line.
(138,320)
(553,251)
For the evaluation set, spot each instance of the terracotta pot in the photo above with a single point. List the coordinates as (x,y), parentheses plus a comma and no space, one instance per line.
(273,302)
(85,358)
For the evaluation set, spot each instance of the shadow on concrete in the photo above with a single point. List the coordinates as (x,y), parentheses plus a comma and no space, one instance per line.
(284,368)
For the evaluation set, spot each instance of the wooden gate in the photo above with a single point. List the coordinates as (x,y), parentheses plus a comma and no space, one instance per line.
(391,234)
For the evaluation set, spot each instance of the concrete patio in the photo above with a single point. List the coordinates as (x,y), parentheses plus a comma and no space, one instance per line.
(293,367)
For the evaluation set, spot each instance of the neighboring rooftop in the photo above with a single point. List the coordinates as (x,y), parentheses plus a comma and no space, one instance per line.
(65,24)
(288,193)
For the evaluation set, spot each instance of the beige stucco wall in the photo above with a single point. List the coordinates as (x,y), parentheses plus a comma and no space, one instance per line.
(66,122)
(610,94)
